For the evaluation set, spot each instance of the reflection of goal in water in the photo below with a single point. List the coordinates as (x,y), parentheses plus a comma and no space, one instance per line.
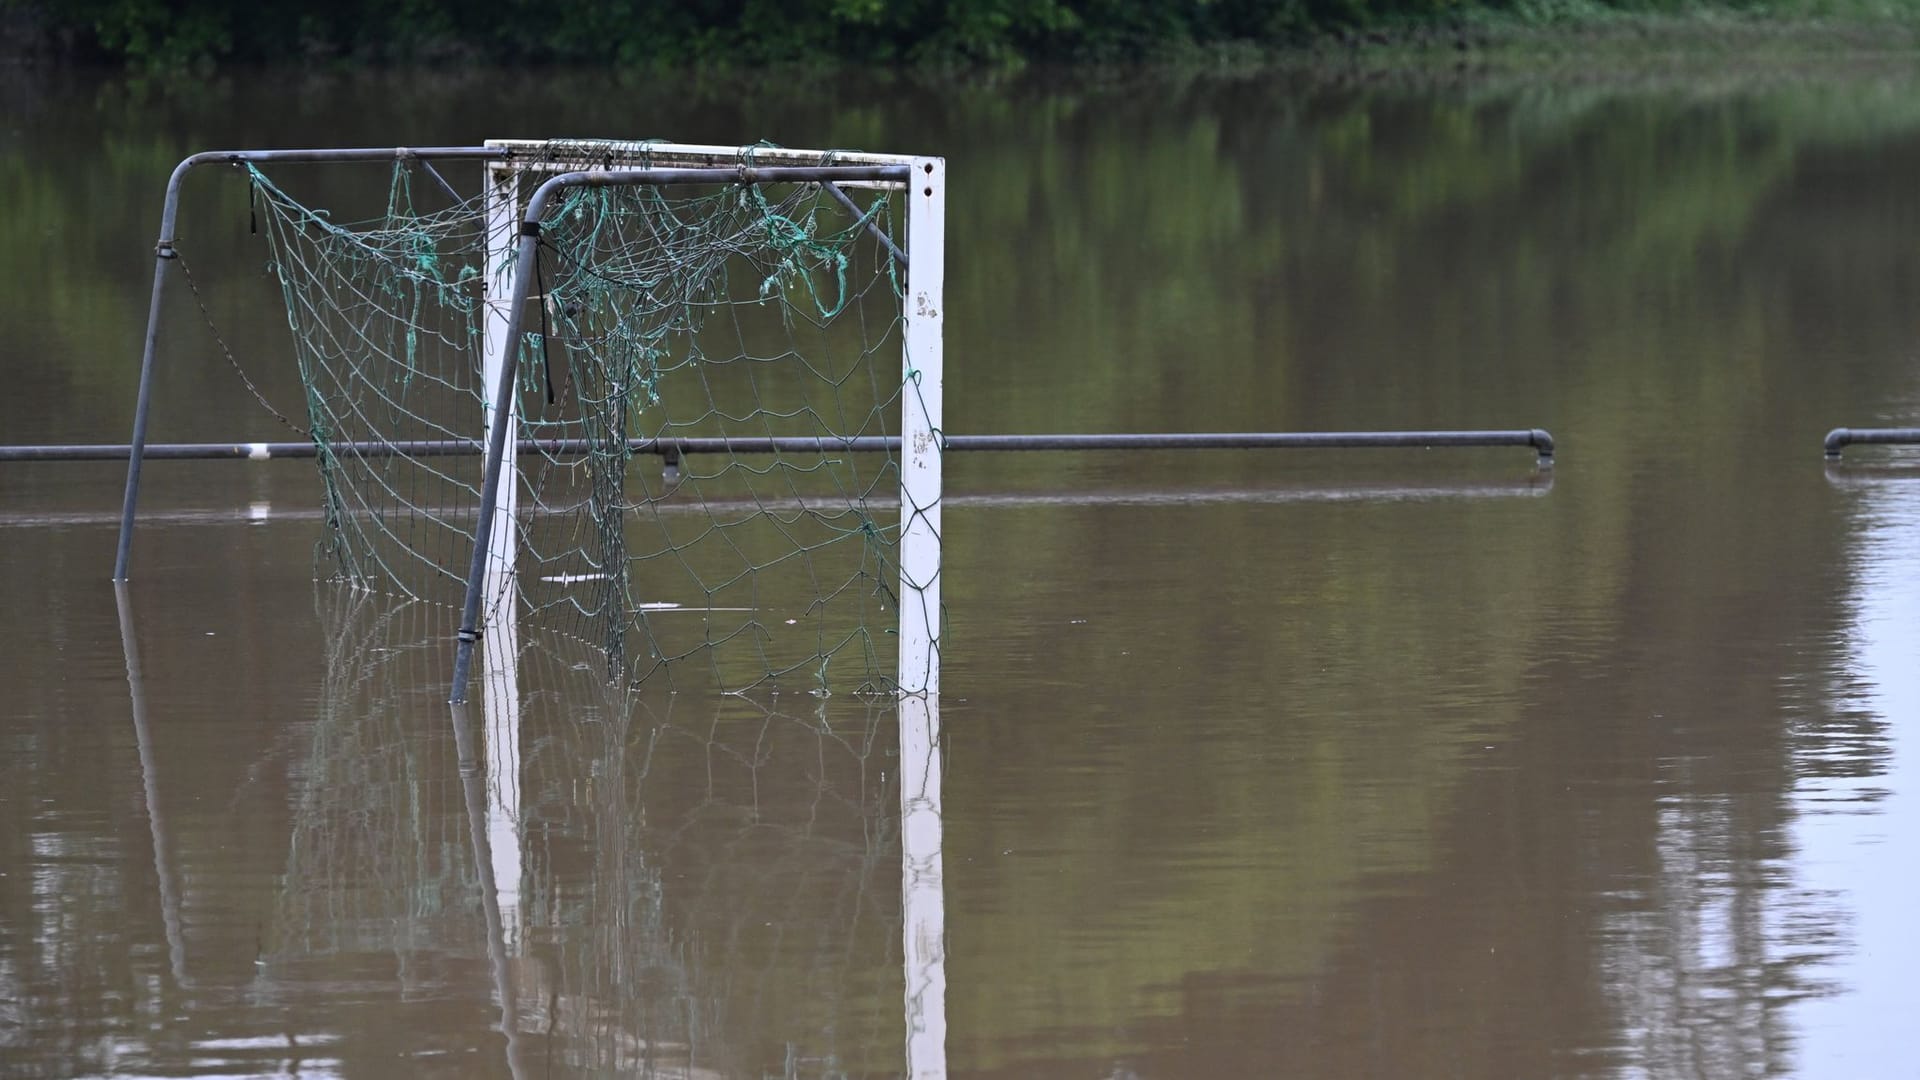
(697,887)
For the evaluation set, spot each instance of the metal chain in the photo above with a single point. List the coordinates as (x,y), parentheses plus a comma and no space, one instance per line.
(220,341)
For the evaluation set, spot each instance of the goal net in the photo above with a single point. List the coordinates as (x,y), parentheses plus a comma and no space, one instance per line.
(723,445)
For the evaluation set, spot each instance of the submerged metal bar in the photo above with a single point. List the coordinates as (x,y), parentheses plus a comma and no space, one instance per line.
(675,447)
(163,254)
(1534,485)
(1841,438)
(526,256)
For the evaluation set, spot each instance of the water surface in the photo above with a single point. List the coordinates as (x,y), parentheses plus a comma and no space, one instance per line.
(1313,764)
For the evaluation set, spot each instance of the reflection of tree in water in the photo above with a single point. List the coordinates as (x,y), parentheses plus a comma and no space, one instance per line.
(1697,964)
(709,887)
(1722,935)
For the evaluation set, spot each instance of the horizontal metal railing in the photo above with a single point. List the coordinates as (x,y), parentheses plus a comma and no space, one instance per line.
(674,447)
(1840,438)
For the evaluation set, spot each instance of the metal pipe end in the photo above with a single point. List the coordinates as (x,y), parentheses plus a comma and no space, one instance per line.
(1542,441)
(1837,439)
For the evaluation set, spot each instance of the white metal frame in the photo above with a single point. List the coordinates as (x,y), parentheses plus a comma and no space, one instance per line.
(922,369)
(920,430)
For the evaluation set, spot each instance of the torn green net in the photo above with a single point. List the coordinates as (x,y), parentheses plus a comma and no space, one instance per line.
(730,310)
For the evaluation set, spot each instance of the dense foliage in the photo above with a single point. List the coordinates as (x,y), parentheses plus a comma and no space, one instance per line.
(176,32)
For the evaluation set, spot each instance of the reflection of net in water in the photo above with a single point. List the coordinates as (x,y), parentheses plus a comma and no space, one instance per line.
(378,859)
(732,310)
(706,888)
(717,891)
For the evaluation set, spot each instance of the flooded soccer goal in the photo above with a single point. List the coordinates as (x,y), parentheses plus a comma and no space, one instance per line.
(709,410)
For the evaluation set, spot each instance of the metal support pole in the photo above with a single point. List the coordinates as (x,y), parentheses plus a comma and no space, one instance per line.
(502,218)
(921,437)
(503,404)
(164,253)
(922,445)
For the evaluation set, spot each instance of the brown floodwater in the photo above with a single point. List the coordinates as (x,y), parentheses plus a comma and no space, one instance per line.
(1331,763)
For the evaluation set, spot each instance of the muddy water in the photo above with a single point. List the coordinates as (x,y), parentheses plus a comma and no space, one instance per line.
(1332,764)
